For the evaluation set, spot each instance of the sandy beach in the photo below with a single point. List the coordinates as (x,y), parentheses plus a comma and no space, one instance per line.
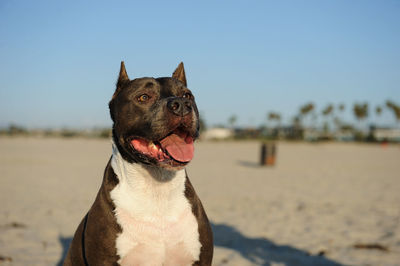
(321,204)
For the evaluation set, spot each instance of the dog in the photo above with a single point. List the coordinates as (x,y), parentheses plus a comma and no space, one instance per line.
(147,211)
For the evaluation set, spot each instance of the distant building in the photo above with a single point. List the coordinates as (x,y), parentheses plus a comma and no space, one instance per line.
(386,134)
(217,133)
(344,135)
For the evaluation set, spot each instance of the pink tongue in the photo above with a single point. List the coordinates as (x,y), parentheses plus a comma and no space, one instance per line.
(179,148)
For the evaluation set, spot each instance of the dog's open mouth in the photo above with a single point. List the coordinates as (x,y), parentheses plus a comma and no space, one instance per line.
(177,146)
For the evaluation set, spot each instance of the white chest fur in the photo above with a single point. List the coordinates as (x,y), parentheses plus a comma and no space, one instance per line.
(158,226)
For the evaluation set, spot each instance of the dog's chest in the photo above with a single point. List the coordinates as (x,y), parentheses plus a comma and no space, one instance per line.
(158,226)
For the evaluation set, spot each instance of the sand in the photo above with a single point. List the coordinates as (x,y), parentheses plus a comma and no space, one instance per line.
(310,209)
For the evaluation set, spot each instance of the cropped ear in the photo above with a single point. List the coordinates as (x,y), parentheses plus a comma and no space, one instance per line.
(123,76)
(179,74)
(122,79)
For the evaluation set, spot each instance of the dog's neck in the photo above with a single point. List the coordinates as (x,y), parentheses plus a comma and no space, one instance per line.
(125,169)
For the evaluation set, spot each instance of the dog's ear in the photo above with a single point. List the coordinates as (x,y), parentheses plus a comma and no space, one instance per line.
(123,76)
(179,74)
(122,79)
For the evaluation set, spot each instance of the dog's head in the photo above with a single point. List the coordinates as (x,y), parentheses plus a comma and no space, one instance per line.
(155,120)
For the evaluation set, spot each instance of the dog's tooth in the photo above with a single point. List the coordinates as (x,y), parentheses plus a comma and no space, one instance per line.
(152,145)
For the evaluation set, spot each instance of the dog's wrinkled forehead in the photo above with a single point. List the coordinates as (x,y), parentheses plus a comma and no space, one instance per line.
(170,87)
(163,87)
(140,85)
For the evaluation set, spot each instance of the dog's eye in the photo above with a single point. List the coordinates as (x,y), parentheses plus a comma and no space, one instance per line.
(188,95)
(143,98)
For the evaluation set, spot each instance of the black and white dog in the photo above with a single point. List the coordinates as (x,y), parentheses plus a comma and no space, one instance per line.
(146,211)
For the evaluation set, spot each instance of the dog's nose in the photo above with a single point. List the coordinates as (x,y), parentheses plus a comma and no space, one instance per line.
(179,106)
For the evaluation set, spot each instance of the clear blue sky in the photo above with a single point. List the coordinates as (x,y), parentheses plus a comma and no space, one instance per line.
(59,59)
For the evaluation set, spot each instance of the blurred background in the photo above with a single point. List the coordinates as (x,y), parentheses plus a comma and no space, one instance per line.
(331,67)
(317,81)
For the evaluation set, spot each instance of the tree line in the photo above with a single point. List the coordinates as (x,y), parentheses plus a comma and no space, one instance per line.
(332,115)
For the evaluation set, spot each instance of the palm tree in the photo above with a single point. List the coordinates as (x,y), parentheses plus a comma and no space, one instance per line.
(307,109)
(232,121)
(273,116)
(341,107)
(360,111)
(327,112)
(378,110)
(394,108)
(337,120)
